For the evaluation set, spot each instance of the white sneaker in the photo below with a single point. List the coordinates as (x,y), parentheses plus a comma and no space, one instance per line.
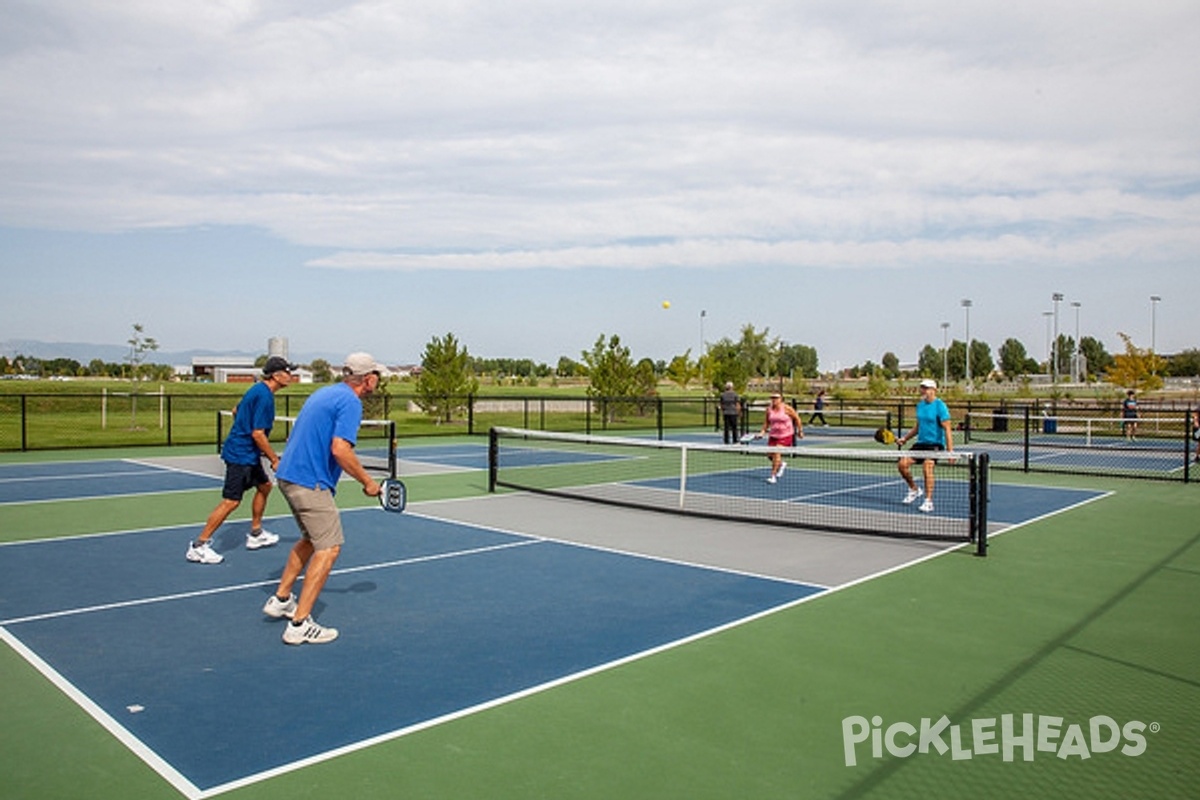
(263,539)
(203,553)
(278,609)
(771,479)
(782,467)
(927,506)
(912,495)
(308,632)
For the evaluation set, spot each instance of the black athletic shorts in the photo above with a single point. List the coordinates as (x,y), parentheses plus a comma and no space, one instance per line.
(925,446)
(239,478)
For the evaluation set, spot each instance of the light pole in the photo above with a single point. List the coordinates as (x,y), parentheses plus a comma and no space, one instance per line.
(1049,353)
(1076,377)
(966,304)
(1154,300)
(945,350)
(703,314)
(1057,297)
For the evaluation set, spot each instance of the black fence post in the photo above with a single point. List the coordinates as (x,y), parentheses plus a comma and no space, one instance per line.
(493,458)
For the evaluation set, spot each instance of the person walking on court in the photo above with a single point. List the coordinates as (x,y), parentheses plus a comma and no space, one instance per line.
(731,412)
(818,409)
(243,450)
(781,426)
(1129,416)
(319,450)
(932,432)
(1196,431)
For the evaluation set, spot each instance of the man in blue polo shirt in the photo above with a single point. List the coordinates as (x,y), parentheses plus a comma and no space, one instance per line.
(244,449)
(319,450)
(933,432)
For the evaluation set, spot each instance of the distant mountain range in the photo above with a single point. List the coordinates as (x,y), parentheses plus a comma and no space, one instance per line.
(117,354)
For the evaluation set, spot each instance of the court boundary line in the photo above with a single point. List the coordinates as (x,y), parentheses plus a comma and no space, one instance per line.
(106,721)
(167,598)
(628,553)
(192,792)
(151,758)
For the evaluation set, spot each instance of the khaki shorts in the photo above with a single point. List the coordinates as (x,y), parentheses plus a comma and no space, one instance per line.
(316,513)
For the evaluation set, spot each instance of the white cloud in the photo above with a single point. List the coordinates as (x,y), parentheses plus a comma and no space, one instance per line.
(537,134)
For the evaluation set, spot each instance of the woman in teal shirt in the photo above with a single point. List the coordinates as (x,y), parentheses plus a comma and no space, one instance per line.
(932,432)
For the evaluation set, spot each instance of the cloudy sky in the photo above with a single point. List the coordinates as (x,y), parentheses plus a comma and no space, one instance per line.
(531,174)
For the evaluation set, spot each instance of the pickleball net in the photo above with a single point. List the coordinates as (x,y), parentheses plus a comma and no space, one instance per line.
(376,445)
(844,490)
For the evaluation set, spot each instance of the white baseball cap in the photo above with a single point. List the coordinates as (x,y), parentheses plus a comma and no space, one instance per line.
(361,364)
(929,383)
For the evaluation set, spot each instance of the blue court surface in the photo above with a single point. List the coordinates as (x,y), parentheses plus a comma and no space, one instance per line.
(1007,504)
(31,483)
(1108,460)
(436,619)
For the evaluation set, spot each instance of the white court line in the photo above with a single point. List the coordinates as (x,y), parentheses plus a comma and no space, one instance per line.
(166,598)
(40,478)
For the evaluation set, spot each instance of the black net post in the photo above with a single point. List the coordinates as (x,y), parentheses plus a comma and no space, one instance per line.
(391,449)
(493,458)
(979,502)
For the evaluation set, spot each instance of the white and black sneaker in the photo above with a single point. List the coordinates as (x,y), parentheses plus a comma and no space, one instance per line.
(308,632)
(278,609)
(202,553)
(260,538)
(912,495)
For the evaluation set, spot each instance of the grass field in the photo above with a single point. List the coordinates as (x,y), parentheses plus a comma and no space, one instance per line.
(1089,614)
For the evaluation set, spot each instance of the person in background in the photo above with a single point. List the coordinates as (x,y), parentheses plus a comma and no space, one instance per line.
(1129,415)
(1196,431)
(818,409)
(243,450)
(781,426)
(731,412)
(933,432)
(319,450)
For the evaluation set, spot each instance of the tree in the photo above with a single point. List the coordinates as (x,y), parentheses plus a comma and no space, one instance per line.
(1014,359)
(139,345)
(929,361)
(757,353)
(568,368)
(1066,346)
(682,370)
(981,360)
(1185,364)
(891,365)
(956,360)
(611,374)
(446,378)
(322,370)
(723,364)
(1136,368)
(799,360)
(1098,359)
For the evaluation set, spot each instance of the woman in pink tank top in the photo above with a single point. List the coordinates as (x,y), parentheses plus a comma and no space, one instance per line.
(782,426)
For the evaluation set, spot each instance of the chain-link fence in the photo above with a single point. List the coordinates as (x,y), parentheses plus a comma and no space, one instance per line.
(1032,436)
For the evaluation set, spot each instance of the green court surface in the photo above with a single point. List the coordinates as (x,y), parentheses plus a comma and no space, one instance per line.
(1092,614)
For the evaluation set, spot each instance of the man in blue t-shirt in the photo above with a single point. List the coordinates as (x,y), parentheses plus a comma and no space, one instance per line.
(932,432)
(320,448)
(243,450)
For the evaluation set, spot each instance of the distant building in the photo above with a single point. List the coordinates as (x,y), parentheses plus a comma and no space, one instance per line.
(234,369)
